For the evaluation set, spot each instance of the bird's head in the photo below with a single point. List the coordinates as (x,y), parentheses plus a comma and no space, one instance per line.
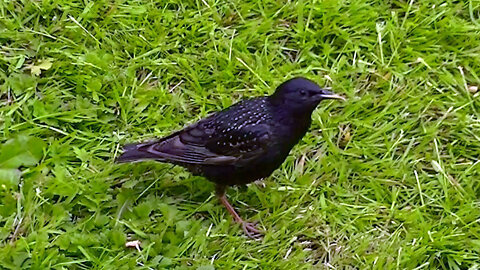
(301,96)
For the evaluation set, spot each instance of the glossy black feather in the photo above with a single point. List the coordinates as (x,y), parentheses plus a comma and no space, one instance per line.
(242,143)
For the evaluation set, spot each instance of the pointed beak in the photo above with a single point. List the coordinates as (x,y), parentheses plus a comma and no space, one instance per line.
(330,95)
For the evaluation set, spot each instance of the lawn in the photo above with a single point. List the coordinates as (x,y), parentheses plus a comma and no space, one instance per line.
(389,179)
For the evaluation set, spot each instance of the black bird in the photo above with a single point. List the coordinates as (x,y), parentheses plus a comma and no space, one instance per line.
(242,143)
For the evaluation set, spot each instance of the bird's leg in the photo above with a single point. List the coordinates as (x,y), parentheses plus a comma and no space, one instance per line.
(249,228)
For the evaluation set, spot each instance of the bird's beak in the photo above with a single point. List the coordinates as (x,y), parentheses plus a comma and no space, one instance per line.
(330,95)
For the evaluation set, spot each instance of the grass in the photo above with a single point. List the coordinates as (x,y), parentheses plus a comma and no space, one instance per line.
(387,180)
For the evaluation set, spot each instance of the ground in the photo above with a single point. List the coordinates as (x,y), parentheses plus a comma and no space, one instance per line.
(387,179)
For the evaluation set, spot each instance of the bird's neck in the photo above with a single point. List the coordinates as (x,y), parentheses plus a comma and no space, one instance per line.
(293,116)
(295,124)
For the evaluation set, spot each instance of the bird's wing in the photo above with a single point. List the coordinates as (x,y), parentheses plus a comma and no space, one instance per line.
(244,143)
(230,137)
(201,143)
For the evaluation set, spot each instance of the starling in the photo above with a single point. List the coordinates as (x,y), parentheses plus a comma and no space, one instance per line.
(242,143)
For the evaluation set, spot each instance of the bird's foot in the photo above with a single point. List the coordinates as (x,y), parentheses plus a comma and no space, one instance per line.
(251,230)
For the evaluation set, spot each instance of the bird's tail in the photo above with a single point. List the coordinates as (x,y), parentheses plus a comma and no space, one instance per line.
(133,152)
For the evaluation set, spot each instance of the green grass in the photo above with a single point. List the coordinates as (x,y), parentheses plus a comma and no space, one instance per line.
(389,179)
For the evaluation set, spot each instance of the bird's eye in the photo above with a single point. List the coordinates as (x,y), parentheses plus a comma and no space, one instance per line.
(303,92)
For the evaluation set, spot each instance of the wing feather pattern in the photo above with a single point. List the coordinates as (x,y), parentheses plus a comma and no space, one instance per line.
(214,141)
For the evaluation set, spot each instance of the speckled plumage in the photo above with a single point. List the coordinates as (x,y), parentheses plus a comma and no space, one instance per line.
(242,143)
(227,147)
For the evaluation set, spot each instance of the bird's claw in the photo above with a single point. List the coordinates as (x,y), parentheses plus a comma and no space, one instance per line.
(251,230)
